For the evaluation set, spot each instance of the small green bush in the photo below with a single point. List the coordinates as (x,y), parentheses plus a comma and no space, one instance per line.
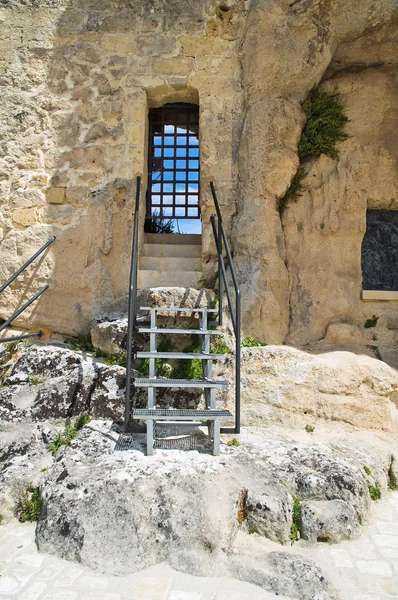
(233,442)
(294,189)
(323,129)
(367,470)
(309,428)
(371,322)
(250,343)
(30,505)
(252,529)
(218,346)
(1,519)
(82,342)
(374,492)
(295,527)
(35,379)
(70,432)
(324,126)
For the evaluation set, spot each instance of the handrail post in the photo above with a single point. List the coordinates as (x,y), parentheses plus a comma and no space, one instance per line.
(132,306)
(220,239)
(220,282)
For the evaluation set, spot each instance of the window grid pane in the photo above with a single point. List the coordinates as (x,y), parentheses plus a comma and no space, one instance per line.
(173,189)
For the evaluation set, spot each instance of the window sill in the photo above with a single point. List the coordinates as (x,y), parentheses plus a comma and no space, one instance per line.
(379,296)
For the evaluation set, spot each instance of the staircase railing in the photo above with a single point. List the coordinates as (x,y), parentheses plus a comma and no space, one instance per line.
(29,302)
(132,306)
(222,245)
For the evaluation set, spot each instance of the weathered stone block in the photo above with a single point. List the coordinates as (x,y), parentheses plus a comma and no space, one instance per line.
(193,45)
(328,521)
(88,159)
(173,66)
(56,195)
(57,214)
(24,216)
(162,44)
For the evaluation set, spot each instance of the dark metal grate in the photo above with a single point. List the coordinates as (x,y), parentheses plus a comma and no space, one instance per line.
(173,186)
(183,443)
(181,412)
(124,442)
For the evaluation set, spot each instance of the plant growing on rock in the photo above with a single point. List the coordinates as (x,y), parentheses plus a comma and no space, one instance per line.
(374,492)
(296,525)
(323,129)
(372,322)
(250,343)
(81,343)
(30,505)
(233,442)
(70,432)
(309,428)
(35,379)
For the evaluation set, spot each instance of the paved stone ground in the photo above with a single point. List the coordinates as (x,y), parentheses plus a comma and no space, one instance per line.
(363,569)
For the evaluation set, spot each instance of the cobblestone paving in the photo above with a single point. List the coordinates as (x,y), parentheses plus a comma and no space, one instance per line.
(363,569)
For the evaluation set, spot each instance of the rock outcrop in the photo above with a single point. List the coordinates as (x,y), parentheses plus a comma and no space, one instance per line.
(285,386)
(104,507)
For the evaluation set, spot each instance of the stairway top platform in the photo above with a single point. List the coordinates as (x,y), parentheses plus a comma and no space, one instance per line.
(163,382)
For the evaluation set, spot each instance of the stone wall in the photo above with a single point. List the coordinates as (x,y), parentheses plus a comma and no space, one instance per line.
(78,78)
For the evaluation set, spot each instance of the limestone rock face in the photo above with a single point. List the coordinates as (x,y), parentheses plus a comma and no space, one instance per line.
(50,382)
(330,521)
(287,386)
(107,507)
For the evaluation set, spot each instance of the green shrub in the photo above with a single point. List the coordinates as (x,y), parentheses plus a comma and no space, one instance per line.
(367,470)
(1,519)
(252,529)
(309,428)
(295,527)
(294,189)
(374,492)
(371,322)
(35,379)
(119,359)
(323,129)
(82,342)
(233,442)
(250,343)
(63,439)
(30,505)
(218,346)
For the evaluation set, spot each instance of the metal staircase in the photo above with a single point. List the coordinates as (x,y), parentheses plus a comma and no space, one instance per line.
(166,427)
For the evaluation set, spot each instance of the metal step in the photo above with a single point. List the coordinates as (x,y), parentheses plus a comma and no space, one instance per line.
(162,382)
(181,414)
(179,355)
(183,331)
(189,309)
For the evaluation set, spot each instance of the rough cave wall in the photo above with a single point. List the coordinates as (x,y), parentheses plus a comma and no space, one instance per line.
(303,272)
(77,80)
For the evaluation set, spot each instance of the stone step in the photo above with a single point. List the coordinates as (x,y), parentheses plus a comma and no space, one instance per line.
(156,278)
(171,263)
(174,238)
(172,250)
(163,382)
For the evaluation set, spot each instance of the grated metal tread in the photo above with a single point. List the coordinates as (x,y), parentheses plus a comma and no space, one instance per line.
(162,382)
(179,309)
(183,331)
(178,414)
(179,355)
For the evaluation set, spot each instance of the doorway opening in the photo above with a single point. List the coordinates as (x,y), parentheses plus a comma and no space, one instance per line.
(173,200)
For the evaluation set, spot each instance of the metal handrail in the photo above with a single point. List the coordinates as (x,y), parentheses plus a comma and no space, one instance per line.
(26,264)
(221,240)
(30,301)
(132,306)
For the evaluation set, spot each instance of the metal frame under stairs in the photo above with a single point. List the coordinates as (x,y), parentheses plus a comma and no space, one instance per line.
(166,427)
